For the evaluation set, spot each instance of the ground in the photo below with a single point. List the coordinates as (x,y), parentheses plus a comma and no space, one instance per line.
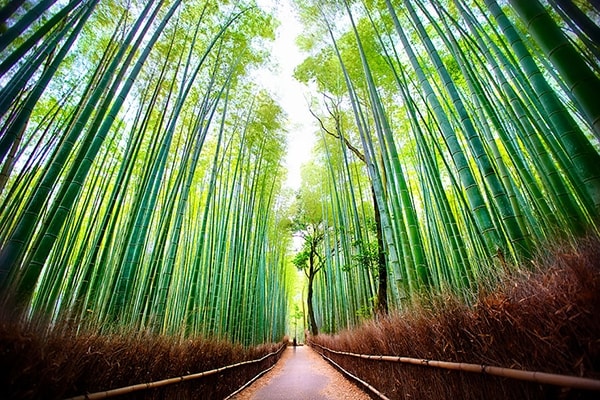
(302,374)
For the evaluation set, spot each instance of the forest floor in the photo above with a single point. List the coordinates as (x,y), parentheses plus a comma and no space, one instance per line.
(302,374)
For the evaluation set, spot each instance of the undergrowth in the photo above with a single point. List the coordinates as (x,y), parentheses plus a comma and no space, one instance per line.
(543,320)
(35,364)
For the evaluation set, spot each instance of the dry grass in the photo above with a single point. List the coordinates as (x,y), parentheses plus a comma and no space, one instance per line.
(37,365)
(547,320)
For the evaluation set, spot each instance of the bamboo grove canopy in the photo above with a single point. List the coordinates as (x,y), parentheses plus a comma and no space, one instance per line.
(142,181)
(145,168)
(460,133)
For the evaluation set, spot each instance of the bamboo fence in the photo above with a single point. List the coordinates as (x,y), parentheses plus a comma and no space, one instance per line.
(169,381)
(574,382)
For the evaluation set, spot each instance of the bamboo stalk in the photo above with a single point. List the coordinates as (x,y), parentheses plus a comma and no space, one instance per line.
(574,382)
(169,381)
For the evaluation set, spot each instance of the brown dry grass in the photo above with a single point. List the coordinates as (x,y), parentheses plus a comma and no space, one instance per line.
(37,365)
(546,320)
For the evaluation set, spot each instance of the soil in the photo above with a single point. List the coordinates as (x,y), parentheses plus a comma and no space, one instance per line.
(301,374)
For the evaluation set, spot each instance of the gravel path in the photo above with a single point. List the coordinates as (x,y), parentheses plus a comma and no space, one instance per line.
(301,374)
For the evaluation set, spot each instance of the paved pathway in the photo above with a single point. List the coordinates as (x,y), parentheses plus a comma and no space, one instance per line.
(301,374)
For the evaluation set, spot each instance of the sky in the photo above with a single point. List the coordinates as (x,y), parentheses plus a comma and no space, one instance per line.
(289,93)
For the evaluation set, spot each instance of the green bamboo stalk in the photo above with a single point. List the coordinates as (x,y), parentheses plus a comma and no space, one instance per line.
(28,279)
(499,198)
(24,22)
(12,250)
(35,37)
(584,157)
(581,80)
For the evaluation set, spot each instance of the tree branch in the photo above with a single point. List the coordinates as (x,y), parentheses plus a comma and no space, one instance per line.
(349,145)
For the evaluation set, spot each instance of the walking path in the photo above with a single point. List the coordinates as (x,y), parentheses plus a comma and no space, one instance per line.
(301,374)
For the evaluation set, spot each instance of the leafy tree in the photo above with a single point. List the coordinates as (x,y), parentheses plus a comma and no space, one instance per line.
(308,225)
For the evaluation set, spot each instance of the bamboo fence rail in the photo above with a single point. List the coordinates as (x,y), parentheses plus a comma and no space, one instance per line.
(574,382)
(261,373)
(356,378)
(169,381)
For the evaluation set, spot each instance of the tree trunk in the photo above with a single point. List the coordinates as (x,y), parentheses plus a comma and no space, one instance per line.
(314,330)
(382,302)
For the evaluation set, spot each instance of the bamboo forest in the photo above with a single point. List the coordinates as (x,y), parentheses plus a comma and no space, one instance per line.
(452,156)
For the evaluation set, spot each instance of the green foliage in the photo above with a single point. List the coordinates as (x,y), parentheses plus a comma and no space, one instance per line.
(367,257)
(301,258)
